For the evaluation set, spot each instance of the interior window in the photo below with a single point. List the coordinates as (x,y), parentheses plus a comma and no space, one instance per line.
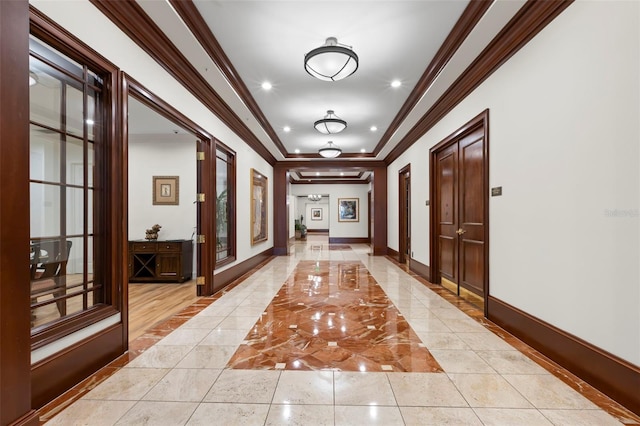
(65,100)
(225,205)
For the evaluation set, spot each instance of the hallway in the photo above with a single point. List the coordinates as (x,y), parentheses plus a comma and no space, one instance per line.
(332,335)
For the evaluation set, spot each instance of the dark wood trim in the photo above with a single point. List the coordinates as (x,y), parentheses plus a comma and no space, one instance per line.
(420,268)
(77,362)
(348,240)
(525,25)
(472,14)
(369,215)
(480,120)
(165,109)
(302,165)
(71,324)
(226,277)
(394,254)
(329,182)
(32,418)
(15,318)
(343,155)
(199,28)
(403,224)
(613,376)
(309,175)
(135,23)
(280,210)
(317,231)
(379,200)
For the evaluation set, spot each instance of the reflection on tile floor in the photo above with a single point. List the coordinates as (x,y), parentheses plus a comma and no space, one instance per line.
(223,361)
(332,315)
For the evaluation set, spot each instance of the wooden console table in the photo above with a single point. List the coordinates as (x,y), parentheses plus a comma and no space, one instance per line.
(160,261)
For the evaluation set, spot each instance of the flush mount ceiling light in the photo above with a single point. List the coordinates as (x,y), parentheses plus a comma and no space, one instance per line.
(331,62)
(330,124)
(330,151)
(314,197)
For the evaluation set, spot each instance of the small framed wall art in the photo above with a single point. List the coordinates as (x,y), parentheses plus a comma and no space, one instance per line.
(316,214)
(166,190)
(259,224)
(348,210)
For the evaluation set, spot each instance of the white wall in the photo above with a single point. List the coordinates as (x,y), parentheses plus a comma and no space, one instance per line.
(335,192)
(564,144)
(304,209)
(323,222)
(162,155)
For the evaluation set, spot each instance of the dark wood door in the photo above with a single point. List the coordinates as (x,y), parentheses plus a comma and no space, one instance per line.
(460,185)
(447,211)
(404,215)
(471,220)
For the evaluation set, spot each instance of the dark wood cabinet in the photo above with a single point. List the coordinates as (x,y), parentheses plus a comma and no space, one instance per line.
(160,261)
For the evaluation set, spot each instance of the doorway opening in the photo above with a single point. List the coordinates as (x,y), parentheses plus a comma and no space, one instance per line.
(165,182)
(404,215)
(459,228)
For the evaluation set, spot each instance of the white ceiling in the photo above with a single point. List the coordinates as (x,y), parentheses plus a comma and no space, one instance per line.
(267,40)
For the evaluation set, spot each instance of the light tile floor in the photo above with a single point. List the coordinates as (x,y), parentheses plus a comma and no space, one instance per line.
(183,380)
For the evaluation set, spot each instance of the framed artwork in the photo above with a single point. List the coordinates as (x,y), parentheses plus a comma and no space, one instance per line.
(348,210)
(316,214)
(258,207)
(166,190)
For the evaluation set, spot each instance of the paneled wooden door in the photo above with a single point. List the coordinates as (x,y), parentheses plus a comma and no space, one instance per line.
(460,212)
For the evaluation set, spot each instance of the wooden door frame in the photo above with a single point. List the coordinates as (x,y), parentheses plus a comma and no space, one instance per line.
(369,213)
(205,170)
(481,120)
(403,221)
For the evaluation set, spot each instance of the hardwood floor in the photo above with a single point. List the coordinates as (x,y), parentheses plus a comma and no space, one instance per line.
(149,304)
(152,303)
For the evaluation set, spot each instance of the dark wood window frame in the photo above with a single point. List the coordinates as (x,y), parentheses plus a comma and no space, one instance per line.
(106,192)
(231,203)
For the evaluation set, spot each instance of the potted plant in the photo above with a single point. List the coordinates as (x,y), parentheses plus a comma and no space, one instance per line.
(301,229)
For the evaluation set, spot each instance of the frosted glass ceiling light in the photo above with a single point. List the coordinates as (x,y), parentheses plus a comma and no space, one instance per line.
(330,124)
(330,151)
(331,62)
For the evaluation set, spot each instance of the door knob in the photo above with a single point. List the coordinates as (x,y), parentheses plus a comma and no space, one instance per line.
(460,231)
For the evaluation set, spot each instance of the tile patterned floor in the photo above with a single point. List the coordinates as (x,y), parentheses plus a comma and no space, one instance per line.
(225,361)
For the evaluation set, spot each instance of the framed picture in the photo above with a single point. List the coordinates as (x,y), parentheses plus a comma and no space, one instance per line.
(316,214)
(348,210)
(258,207)
(166,190)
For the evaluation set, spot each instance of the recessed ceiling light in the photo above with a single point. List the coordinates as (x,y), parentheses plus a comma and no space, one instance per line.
(373,128)
(297,151)
(266,85)
(317,173)
(341,173)
(363,150)
(286,128)
(396,83)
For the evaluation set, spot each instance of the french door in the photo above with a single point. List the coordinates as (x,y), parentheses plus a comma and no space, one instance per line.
(460,213)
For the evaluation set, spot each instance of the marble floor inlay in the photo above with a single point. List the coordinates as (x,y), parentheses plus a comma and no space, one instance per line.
(333,315)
